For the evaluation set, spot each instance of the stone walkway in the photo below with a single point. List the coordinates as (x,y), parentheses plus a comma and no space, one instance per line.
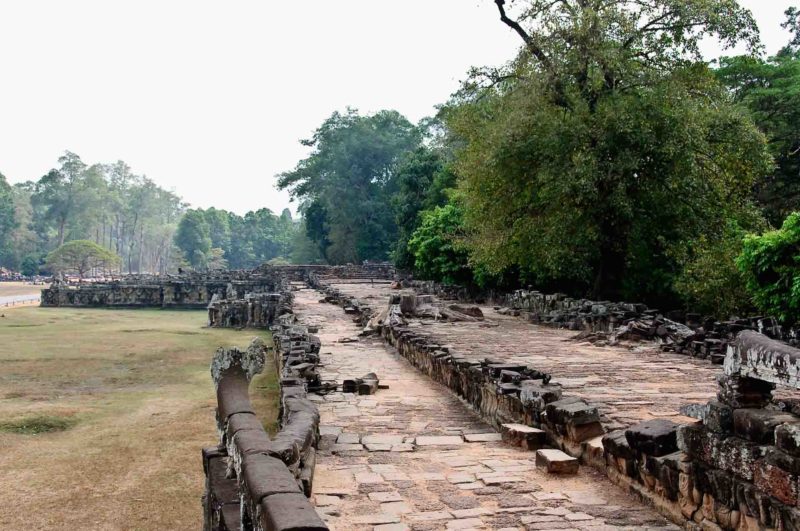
(414,457)
(626,385)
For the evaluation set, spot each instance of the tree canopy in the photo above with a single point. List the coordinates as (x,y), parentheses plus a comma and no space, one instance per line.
(345,184)
(81,257)
(605,147)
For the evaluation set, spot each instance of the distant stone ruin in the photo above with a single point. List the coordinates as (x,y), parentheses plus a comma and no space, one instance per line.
(198,290)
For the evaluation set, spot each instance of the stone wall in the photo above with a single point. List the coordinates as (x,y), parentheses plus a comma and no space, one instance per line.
(254,482)
(197,290)
(255,310)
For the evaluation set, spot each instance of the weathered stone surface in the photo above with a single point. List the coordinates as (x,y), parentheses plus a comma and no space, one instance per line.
(787,439)
(758,425)
(653,437)
(289,512)
(556,462)
(527,437)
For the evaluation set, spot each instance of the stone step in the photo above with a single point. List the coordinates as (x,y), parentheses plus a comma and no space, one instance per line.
(527,437)
(556,462)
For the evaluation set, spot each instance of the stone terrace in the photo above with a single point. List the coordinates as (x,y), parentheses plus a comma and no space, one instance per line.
(460,476)
(628,384)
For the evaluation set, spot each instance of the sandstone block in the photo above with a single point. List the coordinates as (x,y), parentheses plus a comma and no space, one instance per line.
(527,437)
(787,438)
(758,425)
(556,462)
(653,437)
(289,512)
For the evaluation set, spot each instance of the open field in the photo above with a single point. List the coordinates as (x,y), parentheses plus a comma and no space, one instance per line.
(9,289)
(103,414)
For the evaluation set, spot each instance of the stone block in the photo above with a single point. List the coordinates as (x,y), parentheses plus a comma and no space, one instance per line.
(536,391)
(787,439)
(264,476)
(653,437)
(571,410)
(579,432)
(616,444)
(289,512)
(719,417)
(556,462)
(527,437)
(482,437)
(772,476)
(758,425)
(439,440)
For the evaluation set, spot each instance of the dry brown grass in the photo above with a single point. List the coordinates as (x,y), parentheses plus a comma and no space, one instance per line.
(137,404)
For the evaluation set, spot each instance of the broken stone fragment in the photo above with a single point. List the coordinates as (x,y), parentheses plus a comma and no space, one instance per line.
(526,437)
(556,462)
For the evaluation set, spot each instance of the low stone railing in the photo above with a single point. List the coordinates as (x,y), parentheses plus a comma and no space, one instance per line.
(254,482)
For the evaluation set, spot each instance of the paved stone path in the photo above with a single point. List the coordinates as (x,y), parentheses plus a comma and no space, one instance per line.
(414,457)
(626,385)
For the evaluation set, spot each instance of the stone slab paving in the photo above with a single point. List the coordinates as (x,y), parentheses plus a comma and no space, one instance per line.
(399,459)
(627,383)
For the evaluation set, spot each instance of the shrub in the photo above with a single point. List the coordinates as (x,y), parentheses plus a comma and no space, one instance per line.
(770,264)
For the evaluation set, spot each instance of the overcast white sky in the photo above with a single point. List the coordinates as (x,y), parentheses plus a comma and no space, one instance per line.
(209,99)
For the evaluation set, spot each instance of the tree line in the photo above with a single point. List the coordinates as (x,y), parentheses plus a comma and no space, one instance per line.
(126,223)
(606,159)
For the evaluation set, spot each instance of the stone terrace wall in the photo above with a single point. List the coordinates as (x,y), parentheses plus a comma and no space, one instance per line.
(255,310)
(197,290)
(252,482)
(171,291)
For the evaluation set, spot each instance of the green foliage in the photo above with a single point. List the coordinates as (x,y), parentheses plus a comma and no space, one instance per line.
(770,263)
(30,265)
(81,256)
(437,246)
(346,182)
(422,181)
(8,222)
(194,238)
(770,90)
(709,280)
(36,424)
(604,146)
(217,239)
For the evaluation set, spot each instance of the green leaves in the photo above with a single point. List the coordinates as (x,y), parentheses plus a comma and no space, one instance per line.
(346,183)
(81,257)
(770,263)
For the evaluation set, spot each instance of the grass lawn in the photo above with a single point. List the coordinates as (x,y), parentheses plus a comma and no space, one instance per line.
(103,414)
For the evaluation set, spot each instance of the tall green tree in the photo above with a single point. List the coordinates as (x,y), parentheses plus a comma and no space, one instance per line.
(81,257)
(770,90)
(194,238)
(345,184)
(605,145)
(422,180)
(8,222)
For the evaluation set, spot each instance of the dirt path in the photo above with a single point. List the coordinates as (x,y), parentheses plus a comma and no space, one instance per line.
(369,475)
